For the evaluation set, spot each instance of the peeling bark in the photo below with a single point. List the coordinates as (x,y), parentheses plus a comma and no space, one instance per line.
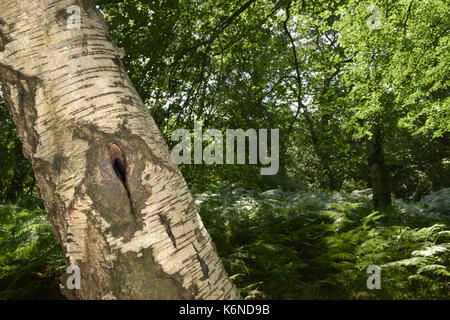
(118,205)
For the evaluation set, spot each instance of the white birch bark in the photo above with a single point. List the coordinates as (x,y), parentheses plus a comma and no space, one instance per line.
(118,205)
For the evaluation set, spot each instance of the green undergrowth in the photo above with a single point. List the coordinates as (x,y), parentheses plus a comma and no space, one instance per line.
(31,260)
(275,245)
(318,245)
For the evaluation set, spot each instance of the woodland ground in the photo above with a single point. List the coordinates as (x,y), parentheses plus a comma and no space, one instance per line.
(299,244)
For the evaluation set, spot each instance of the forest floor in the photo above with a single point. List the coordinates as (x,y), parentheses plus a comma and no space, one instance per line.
(275,244)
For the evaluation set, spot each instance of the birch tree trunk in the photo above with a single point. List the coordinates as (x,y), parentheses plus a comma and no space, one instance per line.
(118,205)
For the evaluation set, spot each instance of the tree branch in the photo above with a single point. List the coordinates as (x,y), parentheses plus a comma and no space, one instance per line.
(219,29)
(407,16)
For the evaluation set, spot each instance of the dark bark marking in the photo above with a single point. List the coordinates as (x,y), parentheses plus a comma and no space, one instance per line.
(4,40)
(61,16)
(59,162)
(118,62)
(126,101)
(118,160)
(203,266)
(118,84)
(199,236)
(119,164)
(166,224)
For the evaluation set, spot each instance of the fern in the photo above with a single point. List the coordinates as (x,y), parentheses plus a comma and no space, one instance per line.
(315,245)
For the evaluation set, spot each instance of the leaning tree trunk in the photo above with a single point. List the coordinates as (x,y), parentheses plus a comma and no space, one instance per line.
(118,205)
(381,190)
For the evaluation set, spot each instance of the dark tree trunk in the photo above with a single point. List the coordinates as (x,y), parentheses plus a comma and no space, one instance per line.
(381,190)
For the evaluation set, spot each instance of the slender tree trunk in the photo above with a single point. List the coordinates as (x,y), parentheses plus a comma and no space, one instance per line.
(118,205)
(437,172)
(379,176)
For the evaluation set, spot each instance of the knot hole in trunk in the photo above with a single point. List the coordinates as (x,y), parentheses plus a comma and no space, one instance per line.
(119,164)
